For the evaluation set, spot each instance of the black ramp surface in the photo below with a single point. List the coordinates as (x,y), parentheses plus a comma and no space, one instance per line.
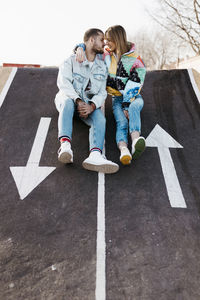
(47,240)
(153,248)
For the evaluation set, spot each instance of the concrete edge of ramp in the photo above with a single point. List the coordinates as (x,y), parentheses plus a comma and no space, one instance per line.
(195,81)
(4,75)
(7,75)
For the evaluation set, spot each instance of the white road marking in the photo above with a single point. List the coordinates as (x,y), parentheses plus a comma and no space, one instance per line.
(29,177)
(100,292)
(101,244)
(194,85)
(163,141)
(7,86)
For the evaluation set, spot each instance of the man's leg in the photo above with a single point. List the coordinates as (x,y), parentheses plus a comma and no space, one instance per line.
(65,123)
(97,123)
(138,142)
(95,161)
(121,131)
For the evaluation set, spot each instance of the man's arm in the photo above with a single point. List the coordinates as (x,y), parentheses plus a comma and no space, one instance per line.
(65,79)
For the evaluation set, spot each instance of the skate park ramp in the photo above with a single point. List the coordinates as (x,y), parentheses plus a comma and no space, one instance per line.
(68,233)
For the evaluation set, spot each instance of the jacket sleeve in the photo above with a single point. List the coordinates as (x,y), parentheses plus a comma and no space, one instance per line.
(81,45)
(134,83)
(65,80)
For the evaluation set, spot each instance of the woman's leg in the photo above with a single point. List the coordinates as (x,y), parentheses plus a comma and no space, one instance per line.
(121,131)
(138,143)
(121,121)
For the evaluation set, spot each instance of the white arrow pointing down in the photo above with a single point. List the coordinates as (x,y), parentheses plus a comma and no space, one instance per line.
(29,177)
(163,141)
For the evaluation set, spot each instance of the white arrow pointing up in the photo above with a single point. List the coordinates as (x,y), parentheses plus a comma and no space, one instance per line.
(163,141)
(29,177)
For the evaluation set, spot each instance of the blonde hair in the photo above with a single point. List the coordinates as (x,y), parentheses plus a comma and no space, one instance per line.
(117,34)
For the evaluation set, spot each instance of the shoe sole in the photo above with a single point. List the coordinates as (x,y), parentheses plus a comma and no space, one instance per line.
(65,158)
(126,159)
(139,149)
(107,169)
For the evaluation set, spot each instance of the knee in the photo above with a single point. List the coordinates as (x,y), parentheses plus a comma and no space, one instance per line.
(136,106)
(67,104)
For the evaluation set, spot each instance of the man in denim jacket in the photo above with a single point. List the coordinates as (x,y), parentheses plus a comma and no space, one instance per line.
(82,89)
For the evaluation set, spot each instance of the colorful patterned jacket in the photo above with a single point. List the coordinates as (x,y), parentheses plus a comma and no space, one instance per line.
(126,77)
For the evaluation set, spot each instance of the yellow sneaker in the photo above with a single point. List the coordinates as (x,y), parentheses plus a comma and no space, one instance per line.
(125,156)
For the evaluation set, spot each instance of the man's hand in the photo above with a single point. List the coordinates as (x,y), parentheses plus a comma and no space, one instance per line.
(80,55)
(126,113)
(85,109)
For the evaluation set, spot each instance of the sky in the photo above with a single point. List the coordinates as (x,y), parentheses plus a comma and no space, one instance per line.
(46,31)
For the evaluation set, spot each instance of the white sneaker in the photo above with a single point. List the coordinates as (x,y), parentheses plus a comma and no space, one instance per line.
(65,154)
(125,156)
(96,162)
(138,147)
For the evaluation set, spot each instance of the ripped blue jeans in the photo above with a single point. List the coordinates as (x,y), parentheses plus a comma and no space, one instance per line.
(96,121)
(123,126)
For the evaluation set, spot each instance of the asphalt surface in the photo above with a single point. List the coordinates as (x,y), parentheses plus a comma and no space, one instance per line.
(48,239)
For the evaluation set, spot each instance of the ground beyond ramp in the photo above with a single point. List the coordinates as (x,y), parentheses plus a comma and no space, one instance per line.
(48,239)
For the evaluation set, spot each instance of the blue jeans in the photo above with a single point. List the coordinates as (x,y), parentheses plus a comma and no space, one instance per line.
(95,120)
(122,124)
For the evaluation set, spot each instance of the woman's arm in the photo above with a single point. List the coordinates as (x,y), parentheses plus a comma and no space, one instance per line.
(79,50)
(135,82)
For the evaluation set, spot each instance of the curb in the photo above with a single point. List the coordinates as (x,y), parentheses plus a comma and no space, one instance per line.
(195,81)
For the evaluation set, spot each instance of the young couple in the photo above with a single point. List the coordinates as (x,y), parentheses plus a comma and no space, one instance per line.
(83,80)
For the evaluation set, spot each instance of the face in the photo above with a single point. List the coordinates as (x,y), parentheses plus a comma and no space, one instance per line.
(111,45)
(98,46)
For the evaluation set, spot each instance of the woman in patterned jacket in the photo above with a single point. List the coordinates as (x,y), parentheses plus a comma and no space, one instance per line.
(126,73)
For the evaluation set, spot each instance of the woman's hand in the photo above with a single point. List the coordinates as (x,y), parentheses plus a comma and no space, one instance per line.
(126,113)
(80,55)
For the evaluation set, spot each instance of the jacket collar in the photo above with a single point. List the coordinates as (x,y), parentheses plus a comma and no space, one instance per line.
(97,61)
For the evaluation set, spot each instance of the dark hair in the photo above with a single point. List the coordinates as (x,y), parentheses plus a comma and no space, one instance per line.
(91,32)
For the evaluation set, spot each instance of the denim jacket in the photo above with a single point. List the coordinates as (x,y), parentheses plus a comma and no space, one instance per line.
(78,80)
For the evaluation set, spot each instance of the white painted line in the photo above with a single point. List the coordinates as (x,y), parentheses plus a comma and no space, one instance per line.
(101,244)
(7,86)
(100,293)
(194,85)
(163,141)
(39,141)
(29,177)
(171,180)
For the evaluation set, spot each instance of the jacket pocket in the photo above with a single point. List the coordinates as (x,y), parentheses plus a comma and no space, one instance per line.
(79,78)
(99,76)
(78,81)
(98,79)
